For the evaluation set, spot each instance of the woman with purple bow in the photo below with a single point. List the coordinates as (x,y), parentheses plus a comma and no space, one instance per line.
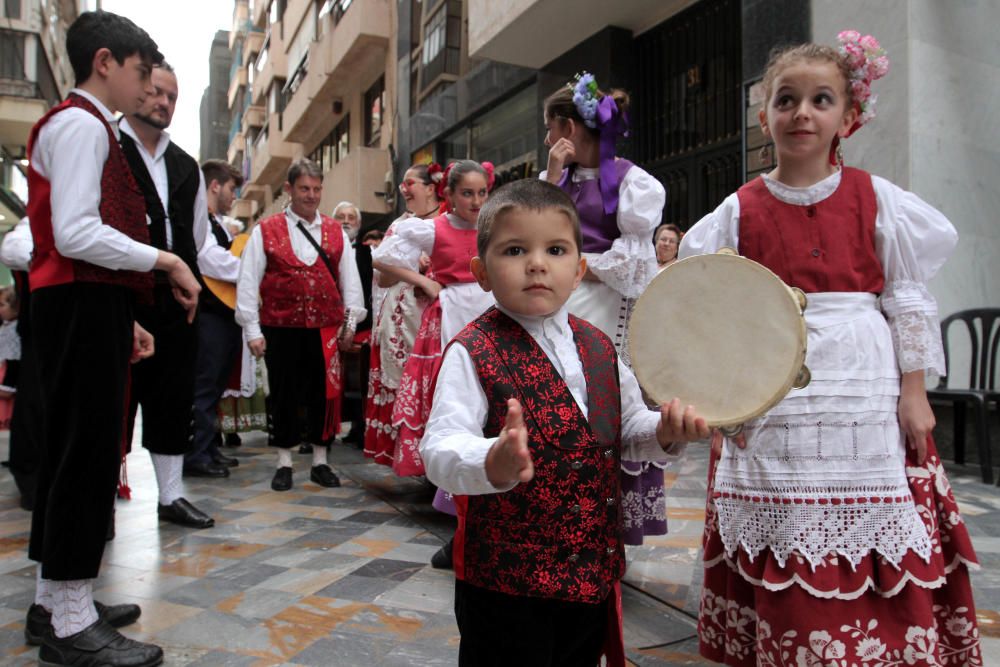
(619,205)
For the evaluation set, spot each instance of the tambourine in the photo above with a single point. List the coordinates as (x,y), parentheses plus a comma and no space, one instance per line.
(226,292)
(722,333)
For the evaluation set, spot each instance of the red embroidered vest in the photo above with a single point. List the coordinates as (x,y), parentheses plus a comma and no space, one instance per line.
(452,253)
(293,294)
(825,247)
(560,535)
(122,207)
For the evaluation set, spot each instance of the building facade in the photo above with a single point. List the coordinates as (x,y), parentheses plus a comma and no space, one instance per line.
(214,111)
(35,74)
(313,79)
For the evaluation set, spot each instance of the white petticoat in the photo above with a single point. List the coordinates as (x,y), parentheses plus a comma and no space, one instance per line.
(824,471)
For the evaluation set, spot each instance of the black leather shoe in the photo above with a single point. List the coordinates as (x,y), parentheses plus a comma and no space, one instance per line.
(233,440)
(184,513)
(39,621)
(305,448)
(282,480)
(324,476)
(442,558)
(205,470)
(225,461)
(99,644)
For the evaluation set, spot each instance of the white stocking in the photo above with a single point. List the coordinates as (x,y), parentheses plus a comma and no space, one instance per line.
(168,469)
(72,606)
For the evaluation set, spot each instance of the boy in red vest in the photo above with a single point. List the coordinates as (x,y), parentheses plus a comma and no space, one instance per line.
(92,260)
(532,413)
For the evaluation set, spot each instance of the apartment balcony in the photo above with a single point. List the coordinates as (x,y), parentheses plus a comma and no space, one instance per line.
(237,144)
(21,105)
(271,62)
(255,193)
(356,178)
(258,13)
(271,154)
(244,209)
(237,83)
(253,116)
(241,18)
(252,43)
(350,55)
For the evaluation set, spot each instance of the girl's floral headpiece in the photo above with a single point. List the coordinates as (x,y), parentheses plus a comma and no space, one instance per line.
(868,62)
(585,98)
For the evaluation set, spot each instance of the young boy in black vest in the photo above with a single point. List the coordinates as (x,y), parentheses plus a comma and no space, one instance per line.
(532,414)
(92,261)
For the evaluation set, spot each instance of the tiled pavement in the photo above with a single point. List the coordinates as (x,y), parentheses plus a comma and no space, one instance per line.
(340,576)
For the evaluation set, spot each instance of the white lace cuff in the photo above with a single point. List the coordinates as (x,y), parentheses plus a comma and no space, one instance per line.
(627,267)
(916,331)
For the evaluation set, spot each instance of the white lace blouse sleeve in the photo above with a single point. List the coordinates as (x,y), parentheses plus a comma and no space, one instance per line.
(403,247)
(719,229)
(630,263)
(912,240)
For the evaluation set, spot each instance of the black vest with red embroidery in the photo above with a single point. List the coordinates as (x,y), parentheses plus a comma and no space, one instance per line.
(558,536)
(122,207)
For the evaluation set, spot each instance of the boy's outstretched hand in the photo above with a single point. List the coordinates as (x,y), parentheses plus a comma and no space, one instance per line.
(680,424)
(509,460)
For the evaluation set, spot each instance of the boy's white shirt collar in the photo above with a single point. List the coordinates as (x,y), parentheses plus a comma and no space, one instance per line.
(534,324)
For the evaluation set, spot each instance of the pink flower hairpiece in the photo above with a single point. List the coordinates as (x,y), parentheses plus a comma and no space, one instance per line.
(868,62)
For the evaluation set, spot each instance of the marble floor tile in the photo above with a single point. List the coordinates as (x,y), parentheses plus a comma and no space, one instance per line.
(341,576)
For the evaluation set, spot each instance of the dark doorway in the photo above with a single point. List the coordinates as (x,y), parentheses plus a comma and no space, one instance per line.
(687,107)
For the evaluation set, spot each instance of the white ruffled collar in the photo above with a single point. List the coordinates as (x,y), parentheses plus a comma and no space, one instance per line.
(807,196)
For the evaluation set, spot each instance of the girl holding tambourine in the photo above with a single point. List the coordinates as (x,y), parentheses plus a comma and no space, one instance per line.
(831,531)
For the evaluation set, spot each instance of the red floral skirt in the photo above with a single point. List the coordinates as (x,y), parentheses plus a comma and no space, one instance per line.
(413,398)
(380,434)
(875,615)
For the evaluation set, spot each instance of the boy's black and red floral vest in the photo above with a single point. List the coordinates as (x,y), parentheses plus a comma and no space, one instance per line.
(559,535)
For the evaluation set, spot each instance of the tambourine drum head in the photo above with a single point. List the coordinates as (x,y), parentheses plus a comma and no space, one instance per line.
(720,332)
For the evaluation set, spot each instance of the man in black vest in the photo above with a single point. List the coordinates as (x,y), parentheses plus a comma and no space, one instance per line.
(177,212)
(219,337)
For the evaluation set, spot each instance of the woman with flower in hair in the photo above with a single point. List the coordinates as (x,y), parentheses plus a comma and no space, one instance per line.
(397,308)
(831,533)
(455,296)
(620,205)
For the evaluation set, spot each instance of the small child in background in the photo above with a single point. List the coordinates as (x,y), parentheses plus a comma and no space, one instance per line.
(10,354)
(533,412)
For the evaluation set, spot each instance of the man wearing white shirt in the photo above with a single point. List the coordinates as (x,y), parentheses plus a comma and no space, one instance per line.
(177,212)
(298,300)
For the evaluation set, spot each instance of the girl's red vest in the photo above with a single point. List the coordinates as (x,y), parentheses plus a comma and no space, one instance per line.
(824,247)
(293,294)
(559,535)
(452,254)
(122,207)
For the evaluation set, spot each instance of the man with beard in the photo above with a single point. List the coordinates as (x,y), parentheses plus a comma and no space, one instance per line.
(177,212)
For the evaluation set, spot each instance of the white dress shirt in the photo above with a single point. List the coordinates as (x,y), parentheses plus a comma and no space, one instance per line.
(17,246)
(70,153)
(254,264)
(453,447)
(215,261)
(157,168)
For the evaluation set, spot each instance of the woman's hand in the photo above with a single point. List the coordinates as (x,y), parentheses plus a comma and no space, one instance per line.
(916,418)
(562,153)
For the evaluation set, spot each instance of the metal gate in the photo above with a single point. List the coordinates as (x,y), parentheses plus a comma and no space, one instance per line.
(687,107)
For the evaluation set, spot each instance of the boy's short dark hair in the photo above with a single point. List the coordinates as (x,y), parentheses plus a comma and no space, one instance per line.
(529,193)
(93,31)
(221,172)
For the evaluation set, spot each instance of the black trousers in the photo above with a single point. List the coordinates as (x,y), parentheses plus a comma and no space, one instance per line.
(296,407)
(500,630)
(164,383)
(219,344)
(24,445)
(82,336)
